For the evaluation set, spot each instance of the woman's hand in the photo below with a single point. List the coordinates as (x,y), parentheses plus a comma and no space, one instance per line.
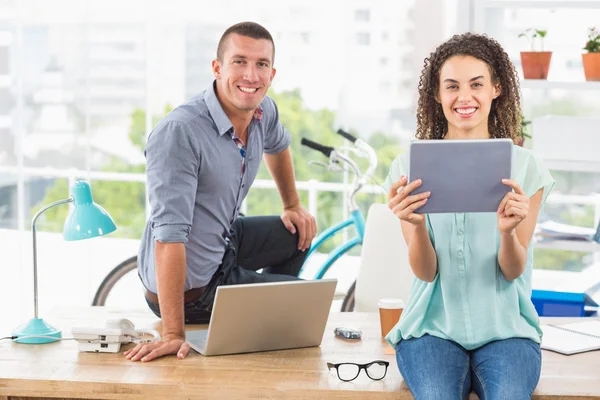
(403,205)
(513,208)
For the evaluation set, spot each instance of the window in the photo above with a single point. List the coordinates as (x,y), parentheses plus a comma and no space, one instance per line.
(363,38)
(3,60)
(562,103)
(384,87)
(362,15)
(305,36)
(80,96)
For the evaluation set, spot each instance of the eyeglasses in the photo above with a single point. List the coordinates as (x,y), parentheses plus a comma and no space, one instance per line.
(375,370)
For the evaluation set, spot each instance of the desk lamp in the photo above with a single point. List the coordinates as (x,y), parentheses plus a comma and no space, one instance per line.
(86,220)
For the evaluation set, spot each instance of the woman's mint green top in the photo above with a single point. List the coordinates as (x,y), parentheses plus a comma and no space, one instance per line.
(469,301)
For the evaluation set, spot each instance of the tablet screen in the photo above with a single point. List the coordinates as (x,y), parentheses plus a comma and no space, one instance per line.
(463,176)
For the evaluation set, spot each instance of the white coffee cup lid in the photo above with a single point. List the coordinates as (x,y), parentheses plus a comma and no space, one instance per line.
(391,303)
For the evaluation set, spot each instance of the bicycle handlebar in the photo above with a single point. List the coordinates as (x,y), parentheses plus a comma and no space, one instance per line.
(364,146)
(316,146)
(336,158)
(346,135)
(371,155)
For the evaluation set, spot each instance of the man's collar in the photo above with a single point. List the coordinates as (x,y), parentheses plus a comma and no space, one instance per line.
(258,113)
(216,111)
(218,114)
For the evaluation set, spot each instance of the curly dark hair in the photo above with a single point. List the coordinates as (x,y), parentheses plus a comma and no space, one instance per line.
(504,120)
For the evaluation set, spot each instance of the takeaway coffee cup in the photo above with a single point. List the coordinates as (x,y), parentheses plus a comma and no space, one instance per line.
(390,311)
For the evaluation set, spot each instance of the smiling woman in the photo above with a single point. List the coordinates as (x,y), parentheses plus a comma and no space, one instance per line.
(466,95)
(467,79)
(470,312)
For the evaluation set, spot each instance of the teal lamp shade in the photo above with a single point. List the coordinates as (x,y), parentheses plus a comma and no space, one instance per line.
(87,219)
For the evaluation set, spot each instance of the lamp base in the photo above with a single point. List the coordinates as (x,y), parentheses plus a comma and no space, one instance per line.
(36,327)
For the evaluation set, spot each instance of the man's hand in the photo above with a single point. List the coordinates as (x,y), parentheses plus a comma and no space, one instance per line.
(297,216)
(170,344)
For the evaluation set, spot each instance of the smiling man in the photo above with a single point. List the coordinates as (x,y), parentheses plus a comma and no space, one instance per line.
(201,161)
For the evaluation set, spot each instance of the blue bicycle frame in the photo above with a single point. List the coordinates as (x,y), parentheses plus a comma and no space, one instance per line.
(356,218)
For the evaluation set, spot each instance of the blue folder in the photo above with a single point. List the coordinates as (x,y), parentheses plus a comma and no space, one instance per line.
(562,304)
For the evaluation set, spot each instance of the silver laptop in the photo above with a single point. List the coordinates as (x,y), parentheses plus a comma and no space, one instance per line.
(265,316)
(463,176)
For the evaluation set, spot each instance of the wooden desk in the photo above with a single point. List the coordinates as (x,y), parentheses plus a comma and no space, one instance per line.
(58,370)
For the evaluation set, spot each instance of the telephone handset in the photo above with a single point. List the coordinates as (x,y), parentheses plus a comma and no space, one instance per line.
(109,338)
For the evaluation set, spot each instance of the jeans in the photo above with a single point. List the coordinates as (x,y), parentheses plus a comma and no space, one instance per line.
(256,243)
(440,369)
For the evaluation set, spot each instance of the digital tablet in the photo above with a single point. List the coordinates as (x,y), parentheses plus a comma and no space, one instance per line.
(463,176)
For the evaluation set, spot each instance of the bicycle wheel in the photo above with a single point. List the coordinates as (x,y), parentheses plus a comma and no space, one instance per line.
(348,303)
(111,280)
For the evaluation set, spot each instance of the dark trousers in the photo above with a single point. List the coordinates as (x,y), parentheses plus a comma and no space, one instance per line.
(256,243)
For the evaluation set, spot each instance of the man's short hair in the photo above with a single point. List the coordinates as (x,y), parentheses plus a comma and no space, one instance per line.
(248,29)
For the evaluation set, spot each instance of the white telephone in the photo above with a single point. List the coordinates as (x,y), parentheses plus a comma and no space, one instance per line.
(110,338)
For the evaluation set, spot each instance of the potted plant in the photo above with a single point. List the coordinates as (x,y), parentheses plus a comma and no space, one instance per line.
(524,131)
(591,59)
(535,63)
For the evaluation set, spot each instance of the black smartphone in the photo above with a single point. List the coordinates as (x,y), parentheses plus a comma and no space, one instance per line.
(348,333)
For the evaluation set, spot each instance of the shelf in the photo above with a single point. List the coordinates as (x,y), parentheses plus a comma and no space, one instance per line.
(569,245)
(585,281)
(547,4)
(572,165)
(565,85)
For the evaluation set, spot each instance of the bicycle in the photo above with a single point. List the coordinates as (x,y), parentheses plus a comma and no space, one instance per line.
(337,161)
(356,217)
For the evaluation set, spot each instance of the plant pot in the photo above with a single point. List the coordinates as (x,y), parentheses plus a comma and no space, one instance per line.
(591,66)
(535,64)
